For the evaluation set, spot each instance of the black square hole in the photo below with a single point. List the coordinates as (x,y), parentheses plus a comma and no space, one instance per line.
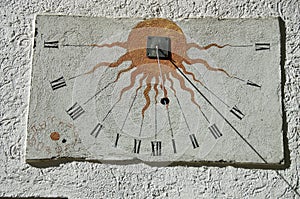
(163,44)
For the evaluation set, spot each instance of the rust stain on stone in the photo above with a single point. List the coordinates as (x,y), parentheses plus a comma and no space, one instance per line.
(55,136)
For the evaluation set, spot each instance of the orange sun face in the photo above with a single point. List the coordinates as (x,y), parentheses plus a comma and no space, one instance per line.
(154,68)
(137,40)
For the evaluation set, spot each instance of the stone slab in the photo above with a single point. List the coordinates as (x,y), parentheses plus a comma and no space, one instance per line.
(96,96)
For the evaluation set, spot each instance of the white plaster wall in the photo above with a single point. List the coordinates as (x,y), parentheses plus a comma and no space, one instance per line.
(89,180)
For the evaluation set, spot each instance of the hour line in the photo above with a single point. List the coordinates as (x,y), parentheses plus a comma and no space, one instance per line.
(131,105)
(110,110)
(172,134)
(118,134)
(240,46)
(158,63)
(187,125)
(169,119)
(141,127)
(77,45)
(205,116)
(216,96)
(98,92)
(76,76)
(155,120)
(258,46)
(107,114)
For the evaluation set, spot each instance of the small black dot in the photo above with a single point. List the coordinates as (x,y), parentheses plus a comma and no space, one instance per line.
(64,141)
(165,101)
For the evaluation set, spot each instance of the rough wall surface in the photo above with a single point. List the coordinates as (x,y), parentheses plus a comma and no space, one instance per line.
(90,180)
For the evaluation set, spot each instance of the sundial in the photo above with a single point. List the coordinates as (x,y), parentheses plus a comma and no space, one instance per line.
(156,91)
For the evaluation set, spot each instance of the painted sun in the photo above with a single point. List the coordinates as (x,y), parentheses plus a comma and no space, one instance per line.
(156,68)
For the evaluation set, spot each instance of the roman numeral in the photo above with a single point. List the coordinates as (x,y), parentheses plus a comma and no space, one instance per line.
(58,83)
(50,44)
(117,139)
(262,46)
(174,146)
(215,131)
(75,111)
(156,148)
(137,146)
(237,112)
(194,140)
(97,130)
(250,83)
